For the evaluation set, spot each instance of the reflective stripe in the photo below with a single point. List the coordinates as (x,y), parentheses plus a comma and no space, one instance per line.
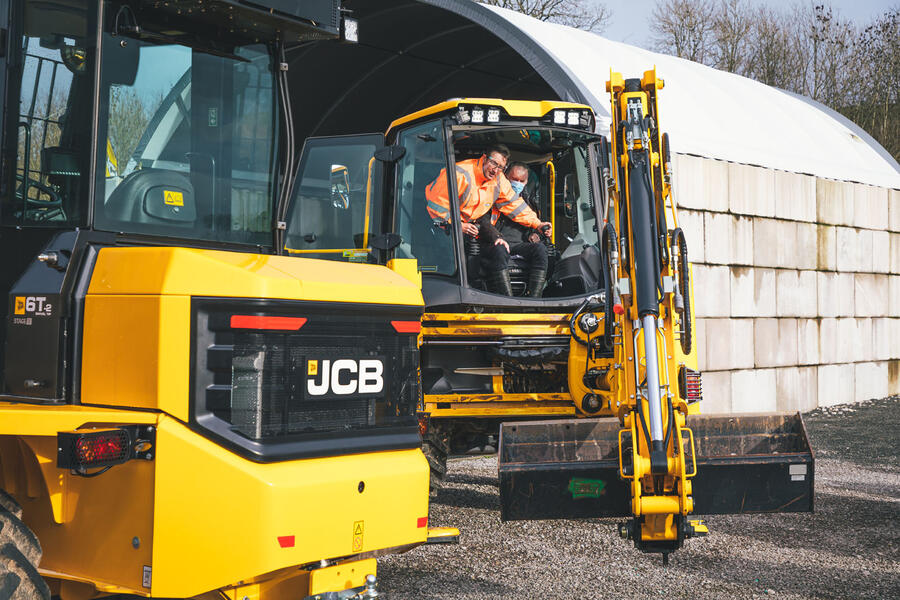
(496,191)
(518,210)
(464,199)
(441,210)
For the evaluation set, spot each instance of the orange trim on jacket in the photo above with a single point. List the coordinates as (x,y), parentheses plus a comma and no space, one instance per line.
(477,195)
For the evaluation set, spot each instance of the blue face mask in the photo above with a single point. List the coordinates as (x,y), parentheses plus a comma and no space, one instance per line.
(517,186)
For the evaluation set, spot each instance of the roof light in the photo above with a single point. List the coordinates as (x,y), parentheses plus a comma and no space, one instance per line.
(477,114)
(559,117)
(574,118)
(407,326)
(462,116)
(264,322)
(349,30)
(493,115)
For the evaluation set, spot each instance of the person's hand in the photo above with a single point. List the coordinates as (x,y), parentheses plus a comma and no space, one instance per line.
(470,229)
(546,228)
(534,237)
(502,242)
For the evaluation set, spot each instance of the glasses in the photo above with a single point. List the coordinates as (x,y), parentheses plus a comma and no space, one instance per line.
(493,163)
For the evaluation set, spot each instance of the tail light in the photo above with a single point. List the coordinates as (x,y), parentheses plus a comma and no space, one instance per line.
(93,448)
(690,385)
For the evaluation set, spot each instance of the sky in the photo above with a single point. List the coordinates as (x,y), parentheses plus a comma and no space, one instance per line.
(631,17)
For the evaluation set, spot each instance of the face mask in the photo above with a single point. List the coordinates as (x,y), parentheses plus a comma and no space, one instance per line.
(517,186)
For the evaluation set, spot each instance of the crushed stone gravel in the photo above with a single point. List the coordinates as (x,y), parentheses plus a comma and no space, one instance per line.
(848,548)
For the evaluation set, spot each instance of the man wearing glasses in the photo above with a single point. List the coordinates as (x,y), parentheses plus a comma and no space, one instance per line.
(481,186)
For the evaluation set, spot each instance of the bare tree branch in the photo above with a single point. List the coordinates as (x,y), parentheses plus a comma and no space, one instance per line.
(588,15)
(683,28)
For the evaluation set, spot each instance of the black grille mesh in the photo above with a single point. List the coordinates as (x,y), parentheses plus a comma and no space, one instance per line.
(256,380)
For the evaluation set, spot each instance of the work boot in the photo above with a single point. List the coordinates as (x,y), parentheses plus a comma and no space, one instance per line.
(498,283)
(536,280)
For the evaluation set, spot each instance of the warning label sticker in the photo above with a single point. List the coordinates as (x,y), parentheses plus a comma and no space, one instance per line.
(358,528)
(173,198)
(312,367)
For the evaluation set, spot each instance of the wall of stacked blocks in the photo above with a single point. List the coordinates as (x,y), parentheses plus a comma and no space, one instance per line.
(796,286)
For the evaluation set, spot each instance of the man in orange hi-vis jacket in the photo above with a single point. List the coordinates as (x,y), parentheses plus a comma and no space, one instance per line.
(482,185)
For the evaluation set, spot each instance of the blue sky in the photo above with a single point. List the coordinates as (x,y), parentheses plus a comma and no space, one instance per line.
(631,18)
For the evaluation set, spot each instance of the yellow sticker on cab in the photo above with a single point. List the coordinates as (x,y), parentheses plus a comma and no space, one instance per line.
(173,198)
(20,305)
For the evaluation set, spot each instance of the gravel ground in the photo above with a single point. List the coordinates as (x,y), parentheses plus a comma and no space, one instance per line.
(848,548)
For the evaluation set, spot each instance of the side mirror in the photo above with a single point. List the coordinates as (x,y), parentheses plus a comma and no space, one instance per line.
(385,241)
(390,154)
(340,186)
(569,195)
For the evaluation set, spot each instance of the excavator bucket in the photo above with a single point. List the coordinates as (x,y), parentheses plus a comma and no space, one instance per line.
(565,469)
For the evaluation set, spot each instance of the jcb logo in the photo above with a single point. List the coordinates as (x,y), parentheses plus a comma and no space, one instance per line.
(345,376)
(32,304)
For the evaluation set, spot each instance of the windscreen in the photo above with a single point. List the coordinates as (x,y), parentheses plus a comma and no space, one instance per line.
(189,139)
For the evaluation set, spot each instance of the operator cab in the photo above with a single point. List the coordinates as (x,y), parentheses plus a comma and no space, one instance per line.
(386,178)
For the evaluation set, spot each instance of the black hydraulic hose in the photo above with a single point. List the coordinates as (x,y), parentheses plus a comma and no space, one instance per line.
(607,238)
(684,283)
(573,327)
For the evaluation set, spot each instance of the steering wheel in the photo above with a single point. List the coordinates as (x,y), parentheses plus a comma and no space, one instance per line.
(55,198)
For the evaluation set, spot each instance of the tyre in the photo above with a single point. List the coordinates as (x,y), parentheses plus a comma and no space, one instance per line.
(434,447)
(20,554)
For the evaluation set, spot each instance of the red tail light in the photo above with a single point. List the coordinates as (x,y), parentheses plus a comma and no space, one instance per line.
(105,448)
(690,385)
(407,326)
(267,322)
(90,448)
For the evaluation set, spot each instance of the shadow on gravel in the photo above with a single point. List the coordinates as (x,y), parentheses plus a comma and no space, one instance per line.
(841,525)
(467,479)
(807,581)
(467,498)
(442,583)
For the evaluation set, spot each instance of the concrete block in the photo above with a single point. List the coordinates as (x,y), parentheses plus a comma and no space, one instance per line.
(828,349)
(846,295)
(826,248)
(894,338)
(701,183)
(729,344)
(835,294)
(716,392)
(847,249)
(751,190)
(834,202)
(765,242)
(894,377)
(871,381)
(786,248)
(796,389)
(894,296)
(712,291)
(894,210)
(895,254)
(836,384)
(775,342)
(884,347)
(807,247)
(871,294)
(807,341)
(691,221)
(752,292)
(870,206)
(860,341)
(717,236)
(753,391)
(881,252)
(795,293)
(864,260)
(742,241)
(795,196)
(699,344)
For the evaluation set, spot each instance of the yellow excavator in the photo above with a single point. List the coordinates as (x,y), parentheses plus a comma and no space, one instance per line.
(185,409)
(606,334)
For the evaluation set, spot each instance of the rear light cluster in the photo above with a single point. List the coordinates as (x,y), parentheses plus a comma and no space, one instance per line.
(690,385)
(94,448)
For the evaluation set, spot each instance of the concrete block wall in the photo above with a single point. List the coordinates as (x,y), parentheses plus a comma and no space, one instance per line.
(796,286)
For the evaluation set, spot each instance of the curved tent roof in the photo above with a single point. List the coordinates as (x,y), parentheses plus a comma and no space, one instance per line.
(413,54)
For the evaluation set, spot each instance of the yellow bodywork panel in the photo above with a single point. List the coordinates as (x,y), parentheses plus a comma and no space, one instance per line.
(245,519)
(192,272)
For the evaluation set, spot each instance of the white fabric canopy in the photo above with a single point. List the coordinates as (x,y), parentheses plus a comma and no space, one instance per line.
(721,115)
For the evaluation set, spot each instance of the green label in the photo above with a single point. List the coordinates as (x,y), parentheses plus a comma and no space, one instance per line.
(586,488)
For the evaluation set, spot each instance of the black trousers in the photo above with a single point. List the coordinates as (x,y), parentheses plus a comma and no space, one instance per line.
(496,258)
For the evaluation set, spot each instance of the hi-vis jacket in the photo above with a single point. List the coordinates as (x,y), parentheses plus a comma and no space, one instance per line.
(477,195)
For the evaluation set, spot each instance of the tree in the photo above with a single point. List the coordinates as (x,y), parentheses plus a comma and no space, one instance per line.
(731,27)
(770,57)
(588,15)
(683,28)
(129,116)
